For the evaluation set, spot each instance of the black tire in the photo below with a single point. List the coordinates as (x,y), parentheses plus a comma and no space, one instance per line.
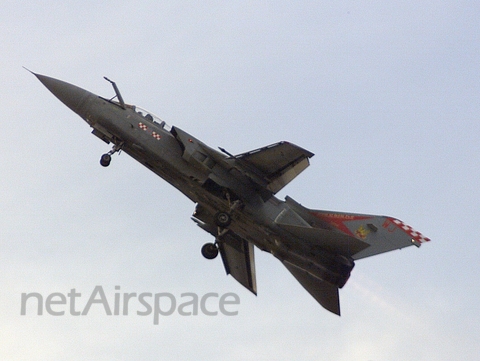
(209,251)
(105,160)
(222,219)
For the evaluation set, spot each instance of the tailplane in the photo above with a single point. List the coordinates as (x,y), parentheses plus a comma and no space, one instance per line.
(324,292)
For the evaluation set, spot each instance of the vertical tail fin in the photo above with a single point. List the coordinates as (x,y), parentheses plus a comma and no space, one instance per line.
(380,233)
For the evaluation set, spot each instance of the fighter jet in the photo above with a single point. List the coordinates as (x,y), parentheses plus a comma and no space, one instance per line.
(235,197)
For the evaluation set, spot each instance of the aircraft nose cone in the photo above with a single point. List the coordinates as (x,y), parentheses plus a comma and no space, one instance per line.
(70,95)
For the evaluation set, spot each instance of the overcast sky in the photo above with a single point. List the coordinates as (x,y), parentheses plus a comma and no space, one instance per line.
(386,94)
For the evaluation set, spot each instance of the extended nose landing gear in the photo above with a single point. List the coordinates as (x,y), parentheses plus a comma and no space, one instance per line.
(105,160)
(107,157)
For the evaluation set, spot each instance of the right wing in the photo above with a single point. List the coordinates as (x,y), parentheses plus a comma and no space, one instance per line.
(238,260)
(237,253)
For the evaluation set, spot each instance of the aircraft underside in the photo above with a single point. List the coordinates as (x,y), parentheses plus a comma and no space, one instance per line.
(234,196)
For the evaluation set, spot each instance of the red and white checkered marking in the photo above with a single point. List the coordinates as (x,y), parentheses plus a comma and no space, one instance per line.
(156,135)
(142,126)
(417,236)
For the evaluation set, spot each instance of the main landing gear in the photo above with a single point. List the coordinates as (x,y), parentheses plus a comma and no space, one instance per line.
(210,250)
(222,220)
(107,157)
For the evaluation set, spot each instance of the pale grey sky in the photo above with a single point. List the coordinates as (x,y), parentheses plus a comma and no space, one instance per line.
(385,94)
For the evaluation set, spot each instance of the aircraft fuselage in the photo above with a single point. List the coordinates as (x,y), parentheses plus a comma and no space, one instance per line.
(235,200)
(201,173)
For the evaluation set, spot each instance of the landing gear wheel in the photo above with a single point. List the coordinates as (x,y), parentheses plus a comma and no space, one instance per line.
(209,250)
(107,157)
(105,160)
(222,219)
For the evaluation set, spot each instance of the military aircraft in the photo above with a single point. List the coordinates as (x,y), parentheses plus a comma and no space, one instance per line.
(235,197)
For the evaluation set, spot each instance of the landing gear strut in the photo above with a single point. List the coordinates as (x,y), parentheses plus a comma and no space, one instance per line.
(223,219)
(209,250)
(107,157)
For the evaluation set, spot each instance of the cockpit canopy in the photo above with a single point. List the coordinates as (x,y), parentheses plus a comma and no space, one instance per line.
(151,117)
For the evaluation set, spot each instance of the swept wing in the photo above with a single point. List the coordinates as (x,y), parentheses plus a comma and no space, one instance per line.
(238,260)
(274,166)
(237,253)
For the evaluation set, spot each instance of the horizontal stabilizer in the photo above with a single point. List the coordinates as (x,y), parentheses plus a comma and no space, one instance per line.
(238,259)
(325,293)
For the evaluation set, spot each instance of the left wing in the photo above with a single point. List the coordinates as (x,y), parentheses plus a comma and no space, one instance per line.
(275,165)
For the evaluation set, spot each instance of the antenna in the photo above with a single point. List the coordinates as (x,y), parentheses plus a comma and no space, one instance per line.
(226,152)
(117,92)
